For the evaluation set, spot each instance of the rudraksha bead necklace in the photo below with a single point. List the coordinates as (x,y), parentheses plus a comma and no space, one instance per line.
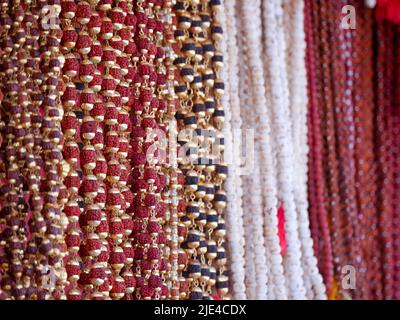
(198,34)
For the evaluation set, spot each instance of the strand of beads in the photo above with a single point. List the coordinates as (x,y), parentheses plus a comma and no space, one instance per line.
(53,244)
(174,228)
(71,130)
(124,286)
(14,234)
(221,169)
(25,160)
(366,184)
(94,278)
(234,214)
(384,143)
(294,272)
(117,30)
(328,131)
(201,112)
(150,211)
(253,92)
(297,102)
(316,181)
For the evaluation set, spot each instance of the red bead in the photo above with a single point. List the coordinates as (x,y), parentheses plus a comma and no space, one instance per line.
(153,227)
(96,52)
(71,66)
(150,200)
(84,43)
(154,254)
(94,24)
(130,20)
(129,252)
(68,9)
(128,196)
(117,256)
(144,238)
(72,209)
(98,110)
(146,292)
(117,44)
(71,152)
(131,48)
(72,181)
(118,289)
(106,28)
(141,19)
(69,38)
(72,267)
(101,168)
(83,12)
(162,238)
(111,114)
(93,215)
(155,282)
(104,255)
(130,281)
(88,128)
(142,212)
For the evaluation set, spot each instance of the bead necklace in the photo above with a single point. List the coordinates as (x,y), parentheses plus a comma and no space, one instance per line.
(258,286)
(384,142)
(396,218)
(150,239)
(80,67)
(294,272)
(115,35)
(328,131)
(54,195)
(298,111)
(198,35)
(234,219)
(316,180)
(14,210)
(174,227)
(277,286)
(71,130)
(366,185)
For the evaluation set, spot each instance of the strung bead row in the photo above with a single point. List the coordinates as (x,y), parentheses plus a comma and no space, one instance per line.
(200,89)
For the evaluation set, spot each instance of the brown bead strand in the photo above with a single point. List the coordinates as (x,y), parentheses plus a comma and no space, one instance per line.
(383,144)
(55,194)
(328,131)
(366,183)
(71,130)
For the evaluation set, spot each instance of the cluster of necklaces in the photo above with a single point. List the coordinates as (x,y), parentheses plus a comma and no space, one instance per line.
(94,203)
(119,118)
(353,168)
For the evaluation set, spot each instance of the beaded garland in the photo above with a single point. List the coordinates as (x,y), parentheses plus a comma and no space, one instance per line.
(33,239)
(200,88)
(356,209)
